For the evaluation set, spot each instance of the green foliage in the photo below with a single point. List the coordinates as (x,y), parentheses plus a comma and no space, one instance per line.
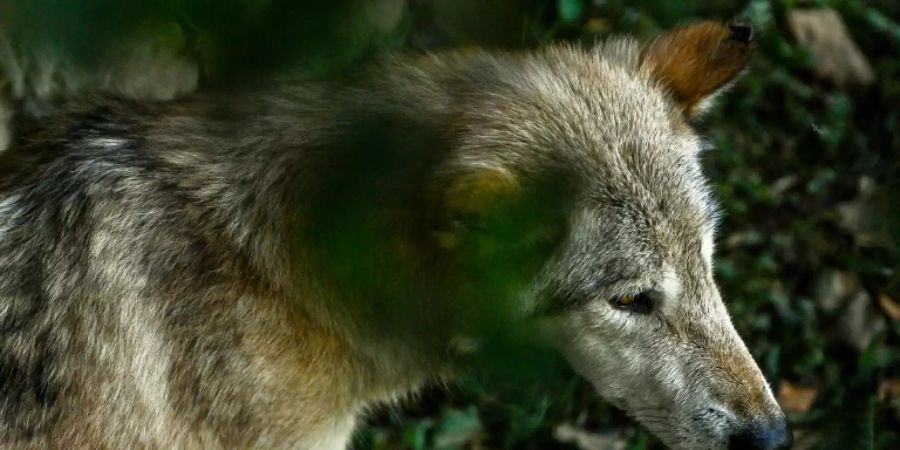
(235,39)
(570,10)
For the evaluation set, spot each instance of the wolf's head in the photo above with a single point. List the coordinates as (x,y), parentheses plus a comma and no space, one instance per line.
(629,293)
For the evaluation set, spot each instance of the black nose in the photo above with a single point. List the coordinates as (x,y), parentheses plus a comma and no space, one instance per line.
(775,436)
(741,33)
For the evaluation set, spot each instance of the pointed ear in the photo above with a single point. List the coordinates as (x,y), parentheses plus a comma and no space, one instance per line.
(697,61)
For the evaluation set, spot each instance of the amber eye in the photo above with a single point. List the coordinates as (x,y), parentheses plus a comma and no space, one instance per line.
(639,303)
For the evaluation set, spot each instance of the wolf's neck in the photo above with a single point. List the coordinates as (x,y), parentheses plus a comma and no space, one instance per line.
(324,197)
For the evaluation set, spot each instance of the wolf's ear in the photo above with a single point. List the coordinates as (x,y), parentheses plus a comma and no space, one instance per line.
(697,61)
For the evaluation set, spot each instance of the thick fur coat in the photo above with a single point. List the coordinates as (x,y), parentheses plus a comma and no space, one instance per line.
(254,269)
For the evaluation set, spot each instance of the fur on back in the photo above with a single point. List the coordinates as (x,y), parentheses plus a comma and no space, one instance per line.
(254,269)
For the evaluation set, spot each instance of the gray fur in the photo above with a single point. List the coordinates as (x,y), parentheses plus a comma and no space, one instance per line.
(171,275)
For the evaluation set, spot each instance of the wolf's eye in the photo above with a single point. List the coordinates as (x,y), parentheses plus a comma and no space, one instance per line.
(639,303)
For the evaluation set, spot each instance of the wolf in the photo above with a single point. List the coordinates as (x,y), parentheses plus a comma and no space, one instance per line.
(255,268)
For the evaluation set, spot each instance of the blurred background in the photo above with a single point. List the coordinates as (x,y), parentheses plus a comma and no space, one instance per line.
(806,165)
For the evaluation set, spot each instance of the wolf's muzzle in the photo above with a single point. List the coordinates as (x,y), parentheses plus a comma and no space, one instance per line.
(763,436)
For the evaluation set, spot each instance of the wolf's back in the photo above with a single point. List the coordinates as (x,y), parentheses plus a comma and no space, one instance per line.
(116,277)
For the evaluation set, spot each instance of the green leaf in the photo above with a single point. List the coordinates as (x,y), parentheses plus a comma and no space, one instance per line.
(570,10)
(416,432)
(457,428)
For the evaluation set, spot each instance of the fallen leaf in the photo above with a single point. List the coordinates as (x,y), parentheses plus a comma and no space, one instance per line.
(834,288)
(860,321)
(890,307)
(586,440)
(794,398)
(889,388)
(807,439)
(837,57)
(597,25)
(782,185)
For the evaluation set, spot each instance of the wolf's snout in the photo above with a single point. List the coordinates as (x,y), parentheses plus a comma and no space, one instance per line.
(767,436)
